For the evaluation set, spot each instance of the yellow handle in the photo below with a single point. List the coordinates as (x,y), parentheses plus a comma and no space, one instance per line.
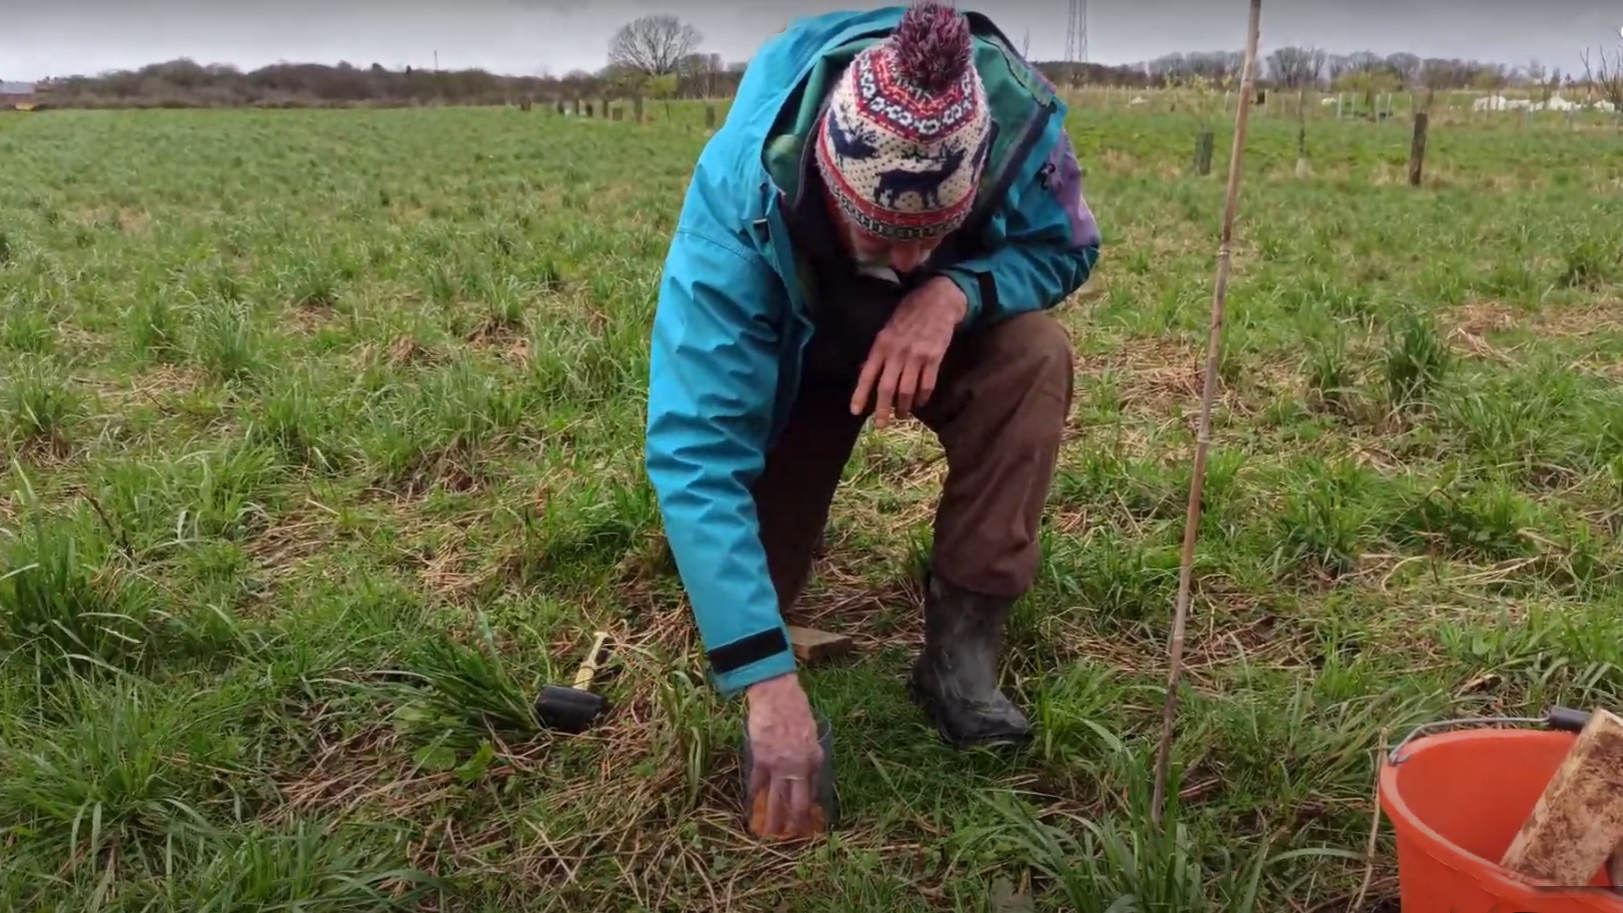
(588,666)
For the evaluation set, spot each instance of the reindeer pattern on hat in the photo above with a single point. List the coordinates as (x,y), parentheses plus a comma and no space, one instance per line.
(903,160)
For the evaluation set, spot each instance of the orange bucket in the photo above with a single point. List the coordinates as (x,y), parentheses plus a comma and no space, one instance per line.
(1456,801)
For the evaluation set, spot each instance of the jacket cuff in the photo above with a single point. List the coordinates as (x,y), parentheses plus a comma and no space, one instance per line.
(754,658)
(970,284)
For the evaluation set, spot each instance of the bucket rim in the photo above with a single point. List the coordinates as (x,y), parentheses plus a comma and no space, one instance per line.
(1446,852)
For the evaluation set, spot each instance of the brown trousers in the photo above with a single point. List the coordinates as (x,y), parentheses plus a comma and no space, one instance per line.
(999,409)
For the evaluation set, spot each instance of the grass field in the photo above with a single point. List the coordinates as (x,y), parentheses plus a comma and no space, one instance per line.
(324,451)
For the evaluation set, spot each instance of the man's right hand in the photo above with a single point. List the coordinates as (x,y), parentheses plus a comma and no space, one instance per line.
(786,758)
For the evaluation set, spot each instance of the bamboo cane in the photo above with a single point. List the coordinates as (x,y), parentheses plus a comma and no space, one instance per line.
(1214,340)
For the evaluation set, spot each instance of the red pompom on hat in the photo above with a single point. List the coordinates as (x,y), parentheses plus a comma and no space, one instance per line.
(905,137)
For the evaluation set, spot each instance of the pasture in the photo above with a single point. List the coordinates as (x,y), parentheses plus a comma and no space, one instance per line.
(323,452)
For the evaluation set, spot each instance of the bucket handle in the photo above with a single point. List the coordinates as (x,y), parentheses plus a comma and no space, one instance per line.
(1563,719)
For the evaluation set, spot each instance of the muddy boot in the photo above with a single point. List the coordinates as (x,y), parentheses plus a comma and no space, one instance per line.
(955,678)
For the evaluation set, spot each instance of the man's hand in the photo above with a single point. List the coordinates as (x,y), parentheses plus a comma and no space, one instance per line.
(906,355)
(785,758)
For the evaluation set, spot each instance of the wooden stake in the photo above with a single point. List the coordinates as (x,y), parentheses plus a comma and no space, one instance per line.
(811,645)
(1203,152)
(1417,148)
(1301,132)
(1417,144)
(1214,339)
(1578,820)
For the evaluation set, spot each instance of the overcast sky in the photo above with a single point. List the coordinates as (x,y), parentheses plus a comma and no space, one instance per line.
(40,38)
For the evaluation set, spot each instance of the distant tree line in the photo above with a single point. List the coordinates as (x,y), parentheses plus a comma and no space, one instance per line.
(659,57)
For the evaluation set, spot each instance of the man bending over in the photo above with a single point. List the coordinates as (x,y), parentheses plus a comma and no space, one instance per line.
(879,228)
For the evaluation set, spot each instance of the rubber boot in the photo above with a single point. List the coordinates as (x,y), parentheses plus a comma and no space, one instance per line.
(955,678)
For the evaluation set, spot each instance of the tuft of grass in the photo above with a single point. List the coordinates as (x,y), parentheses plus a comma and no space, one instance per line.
(66,604)
(1417,359)
(1121,861)
(41,406)
(468,692)
(1330,374)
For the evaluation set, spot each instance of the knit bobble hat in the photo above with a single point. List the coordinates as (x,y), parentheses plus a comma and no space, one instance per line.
(903,141)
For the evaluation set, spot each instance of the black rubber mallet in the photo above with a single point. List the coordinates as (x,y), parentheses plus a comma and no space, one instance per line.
(576,708)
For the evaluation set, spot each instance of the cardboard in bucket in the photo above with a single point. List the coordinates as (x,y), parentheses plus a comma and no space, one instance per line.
(1578,820)
(1458,801)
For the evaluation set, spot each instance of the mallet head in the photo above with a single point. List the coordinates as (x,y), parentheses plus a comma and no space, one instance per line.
(575,709)
(569,709)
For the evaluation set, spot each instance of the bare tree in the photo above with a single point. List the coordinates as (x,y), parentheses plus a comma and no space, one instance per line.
(1408,68)
(1604,74)
(1296,67)
(576,85)
(653,45)
(1437,73)
(1334,66)
(1365,62)
(701,70)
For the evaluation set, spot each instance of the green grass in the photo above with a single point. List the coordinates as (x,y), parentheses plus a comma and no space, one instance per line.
(323,436)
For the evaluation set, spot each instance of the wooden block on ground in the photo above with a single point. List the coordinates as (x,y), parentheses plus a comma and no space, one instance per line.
(1578,820)
(812,645)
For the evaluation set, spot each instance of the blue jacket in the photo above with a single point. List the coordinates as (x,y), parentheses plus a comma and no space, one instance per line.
(731,324)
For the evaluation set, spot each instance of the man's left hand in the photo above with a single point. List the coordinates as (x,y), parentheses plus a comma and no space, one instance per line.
(906,355)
